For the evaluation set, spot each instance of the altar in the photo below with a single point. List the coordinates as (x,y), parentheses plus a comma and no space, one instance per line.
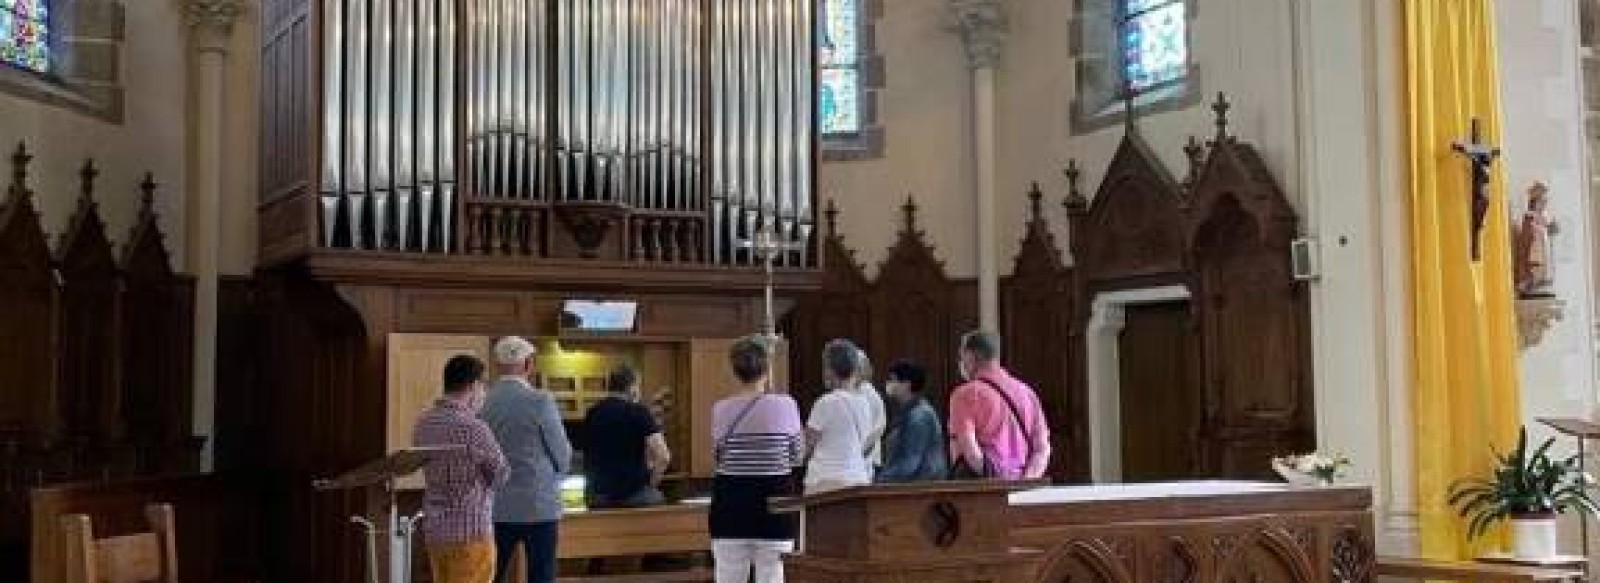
(1196,531)
(1200,531)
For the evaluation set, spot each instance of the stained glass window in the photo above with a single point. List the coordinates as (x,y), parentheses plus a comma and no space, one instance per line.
(25,34)
(1155,43)
(839,94)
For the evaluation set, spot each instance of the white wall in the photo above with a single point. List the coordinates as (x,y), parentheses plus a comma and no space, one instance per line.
(927,119)
(1541,81)
(151,139)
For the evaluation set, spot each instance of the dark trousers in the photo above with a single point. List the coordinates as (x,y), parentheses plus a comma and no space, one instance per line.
(538,540)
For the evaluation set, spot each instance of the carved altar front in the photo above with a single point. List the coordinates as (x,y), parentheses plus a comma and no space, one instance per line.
(1197,532)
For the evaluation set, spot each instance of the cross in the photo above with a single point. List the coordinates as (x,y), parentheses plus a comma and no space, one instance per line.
(1481,156)
(768,247)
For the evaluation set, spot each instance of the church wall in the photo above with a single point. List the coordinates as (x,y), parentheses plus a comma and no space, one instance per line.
(1541,89)
(1243,47)
(924,107)
(151,137)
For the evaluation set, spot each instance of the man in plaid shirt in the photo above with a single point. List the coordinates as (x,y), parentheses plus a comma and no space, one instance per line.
(460,483)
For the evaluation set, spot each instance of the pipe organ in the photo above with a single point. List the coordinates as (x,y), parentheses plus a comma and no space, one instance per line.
(655,131)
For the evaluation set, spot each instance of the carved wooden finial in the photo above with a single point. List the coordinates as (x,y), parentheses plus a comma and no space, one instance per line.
(1221,108)
(19,171)
(147,193)
(1034,195)
(86,176)
(831,214)
(1195,151)
(910,210)
(1075,199)
(1129,112)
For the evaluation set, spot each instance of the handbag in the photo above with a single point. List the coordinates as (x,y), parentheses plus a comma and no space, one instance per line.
(960,469)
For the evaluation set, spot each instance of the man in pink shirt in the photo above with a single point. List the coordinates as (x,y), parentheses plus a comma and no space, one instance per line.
(994,417)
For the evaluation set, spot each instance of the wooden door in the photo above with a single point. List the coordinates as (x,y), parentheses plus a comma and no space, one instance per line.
(1160,393)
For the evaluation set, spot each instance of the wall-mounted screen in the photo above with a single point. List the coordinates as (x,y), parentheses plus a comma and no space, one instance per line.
(599,315)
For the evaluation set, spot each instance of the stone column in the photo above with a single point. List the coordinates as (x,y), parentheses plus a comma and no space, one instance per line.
(211,25)
(982,27)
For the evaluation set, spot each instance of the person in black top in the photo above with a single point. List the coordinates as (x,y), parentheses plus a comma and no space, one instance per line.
(627,453)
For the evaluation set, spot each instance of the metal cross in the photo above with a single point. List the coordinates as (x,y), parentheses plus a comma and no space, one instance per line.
(1481,156)
(767,246)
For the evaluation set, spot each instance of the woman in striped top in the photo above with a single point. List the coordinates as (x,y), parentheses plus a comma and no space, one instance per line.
(756,434)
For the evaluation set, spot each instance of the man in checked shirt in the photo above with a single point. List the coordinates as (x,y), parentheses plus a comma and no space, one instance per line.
(460,483)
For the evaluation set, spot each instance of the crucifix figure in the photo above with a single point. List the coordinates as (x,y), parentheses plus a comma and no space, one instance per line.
(767,247)
(1481,156)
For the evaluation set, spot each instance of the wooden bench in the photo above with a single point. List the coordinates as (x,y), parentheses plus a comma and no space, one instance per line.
(1430,569)
(672,529)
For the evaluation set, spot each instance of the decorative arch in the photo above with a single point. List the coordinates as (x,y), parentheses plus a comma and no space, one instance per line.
(28,342)
(155,371)
(89,322)
(1131,233)
(913,307)
(1037,302)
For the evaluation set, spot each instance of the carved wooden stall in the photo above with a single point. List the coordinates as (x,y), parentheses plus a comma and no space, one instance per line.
(1224,235)
(94,355)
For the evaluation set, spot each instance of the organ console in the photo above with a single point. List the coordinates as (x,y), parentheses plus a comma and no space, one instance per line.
(645,131)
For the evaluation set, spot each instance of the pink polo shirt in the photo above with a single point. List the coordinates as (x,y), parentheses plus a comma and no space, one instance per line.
(977,406)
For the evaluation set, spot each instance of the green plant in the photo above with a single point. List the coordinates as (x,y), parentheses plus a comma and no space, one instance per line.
(1523,484)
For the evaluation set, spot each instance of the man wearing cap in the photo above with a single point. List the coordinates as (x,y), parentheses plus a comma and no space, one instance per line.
(527,423)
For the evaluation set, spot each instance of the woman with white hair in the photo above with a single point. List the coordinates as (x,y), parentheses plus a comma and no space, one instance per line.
(840,430)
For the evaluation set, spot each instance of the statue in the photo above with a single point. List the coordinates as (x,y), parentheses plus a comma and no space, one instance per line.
(1532,252)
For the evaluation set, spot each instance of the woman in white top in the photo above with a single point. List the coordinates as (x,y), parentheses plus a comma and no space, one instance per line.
(840,428)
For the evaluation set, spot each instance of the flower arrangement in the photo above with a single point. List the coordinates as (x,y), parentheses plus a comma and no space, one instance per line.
(1313,468)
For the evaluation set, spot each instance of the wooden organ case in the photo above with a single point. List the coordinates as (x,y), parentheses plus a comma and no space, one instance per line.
(436,173)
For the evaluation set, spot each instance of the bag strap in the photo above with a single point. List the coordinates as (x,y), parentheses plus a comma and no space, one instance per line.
(1016,415)
(722,444)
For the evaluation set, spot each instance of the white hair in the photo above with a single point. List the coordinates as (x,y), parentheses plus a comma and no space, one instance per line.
(512,350)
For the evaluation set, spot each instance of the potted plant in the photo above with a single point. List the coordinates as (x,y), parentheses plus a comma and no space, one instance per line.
(1530,489)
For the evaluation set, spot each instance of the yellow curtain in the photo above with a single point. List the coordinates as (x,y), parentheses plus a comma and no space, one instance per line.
(1463,331)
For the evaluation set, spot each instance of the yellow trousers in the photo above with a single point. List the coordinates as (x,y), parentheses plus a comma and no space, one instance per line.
(470,562)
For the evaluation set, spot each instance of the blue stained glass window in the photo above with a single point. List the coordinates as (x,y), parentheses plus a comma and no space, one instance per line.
(1155,43)
(25,34)
(839,93)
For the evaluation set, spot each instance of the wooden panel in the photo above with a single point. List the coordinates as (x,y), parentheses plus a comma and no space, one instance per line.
(156,395)
(416,365)
(28,333)
(462,311)
(677,528)
(699,316)
(1291,536)
(89,368)
(1161,401)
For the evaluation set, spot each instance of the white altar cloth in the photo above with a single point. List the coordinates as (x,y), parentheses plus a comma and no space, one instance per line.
(1102,492)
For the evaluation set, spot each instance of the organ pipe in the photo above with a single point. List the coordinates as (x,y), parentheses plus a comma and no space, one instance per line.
(695,116)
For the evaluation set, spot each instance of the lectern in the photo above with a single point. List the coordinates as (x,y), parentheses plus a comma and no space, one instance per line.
(397,530)
(937,532)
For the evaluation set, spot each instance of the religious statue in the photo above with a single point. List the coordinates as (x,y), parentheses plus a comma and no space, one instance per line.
(1531,250)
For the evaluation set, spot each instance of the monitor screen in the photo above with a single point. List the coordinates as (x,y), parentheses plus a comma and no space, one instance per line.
(599,315)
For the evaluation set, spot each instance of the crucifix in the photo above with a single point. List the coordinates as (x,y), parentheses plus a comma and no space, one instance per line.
(1481,156)
(768,247)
